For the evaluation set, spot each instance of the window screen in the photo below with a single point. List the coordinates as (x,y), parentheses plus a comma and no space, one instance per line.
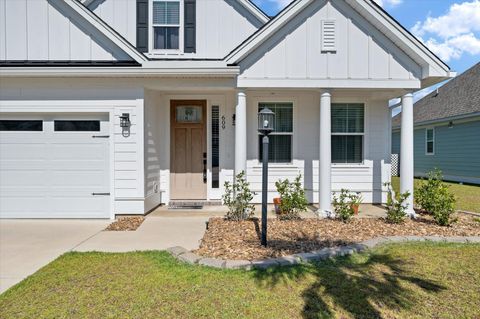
(280,147)
(21,125)
(347,133)
(81,125)
(166,24)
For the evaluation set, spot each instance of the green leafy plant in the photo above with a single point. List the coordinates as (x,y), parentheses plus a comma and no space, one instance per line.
(293,199)
(343,206)
(237,198)
(434,197)
(396,206)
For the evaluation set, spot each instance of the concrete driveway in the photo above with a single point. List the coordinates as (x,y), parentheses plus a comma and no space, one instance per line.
(27,245)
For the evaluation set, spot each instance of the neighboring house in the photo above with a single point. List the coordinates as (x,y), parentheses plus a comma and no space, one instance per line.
(191,76)
(447,130)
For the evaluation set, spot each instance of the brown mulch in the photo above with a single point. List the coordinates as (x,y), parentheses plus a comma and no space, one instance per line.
(126,223)
(241,240)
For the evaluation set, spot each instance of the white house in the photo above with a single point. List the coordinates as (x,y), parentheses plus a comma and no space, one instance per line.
(191,76)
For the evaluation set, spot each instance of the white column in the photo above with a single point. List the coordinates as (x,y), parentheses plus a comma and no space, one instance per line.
(406,151)
(325,157)
(241,133)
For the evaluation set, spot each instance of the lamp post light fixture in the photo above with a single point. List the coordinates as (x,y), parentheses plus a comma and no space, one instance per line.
(266,119)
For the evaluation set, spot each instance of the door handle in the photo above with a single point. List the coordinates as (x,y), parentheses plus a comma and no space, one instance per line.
(100,194)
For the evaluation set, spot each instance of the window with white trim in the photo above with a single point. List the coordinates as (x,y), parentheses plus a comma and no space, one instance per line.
(348,130)
(166,22)
(429,141)
(280,140)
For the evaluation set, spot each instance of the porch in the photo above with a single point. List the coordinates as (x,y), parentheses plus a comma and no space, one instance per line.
(354,155)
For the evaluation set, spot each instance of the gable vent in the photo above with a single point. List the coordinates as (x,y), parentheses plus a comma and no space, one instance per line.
(329,42)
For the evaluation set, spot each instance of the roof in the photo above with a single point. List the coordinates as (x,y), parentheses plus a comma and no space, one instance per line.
(433,66)
(460,97)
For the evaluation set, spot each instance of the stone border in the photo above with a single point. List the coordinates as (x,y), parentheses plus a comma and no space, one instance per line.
(184,255)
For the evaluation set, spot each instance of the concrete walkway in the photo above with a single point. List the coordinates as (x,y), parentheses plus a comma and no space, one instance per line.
(27,245)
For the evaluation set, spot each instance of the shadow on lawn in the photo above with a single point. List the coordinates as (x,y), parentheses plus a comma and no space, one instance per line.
(359,284)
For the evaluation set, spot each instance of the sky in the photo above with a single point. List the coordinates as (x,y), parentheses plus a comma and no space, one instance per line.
(450,28)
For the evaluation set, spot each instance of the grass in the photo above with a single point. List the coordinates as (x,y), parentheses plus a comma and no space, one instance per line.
(414,280)
(468,196)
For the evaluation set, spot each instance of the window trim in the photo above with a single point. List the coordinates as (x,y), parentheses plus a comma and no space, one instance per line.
(428,141)
(292,134)
(151,27)
(363,134)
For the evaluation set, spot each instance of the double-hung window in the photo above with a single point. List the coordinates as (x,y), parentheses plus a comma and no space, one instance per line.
(280,140)
(166,24)
(348,129)
(429,141)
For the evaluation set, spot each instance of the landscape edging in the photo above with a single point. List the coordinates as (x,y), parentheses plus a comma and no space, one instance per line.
(184,255)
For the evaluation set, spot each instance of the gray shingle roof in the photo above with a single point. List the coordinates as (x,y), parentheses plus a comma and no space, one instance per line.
(459,97)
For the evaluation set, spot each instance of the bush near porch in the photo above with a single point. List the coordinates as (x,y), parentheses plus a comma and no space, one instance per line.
(415,280)
(468,196)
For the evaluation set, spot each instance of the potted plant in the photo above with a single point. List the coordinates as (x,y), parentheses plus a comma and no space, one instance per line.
(277,201)
(355,201)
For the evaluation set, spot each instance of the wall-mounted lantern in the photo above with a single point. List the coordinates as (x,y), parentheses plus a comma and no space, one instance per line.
(125,120)
(450,124)
(233,120)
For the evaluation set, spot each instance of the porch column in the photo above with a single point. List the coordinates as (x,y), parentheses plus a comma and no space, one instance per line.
(406,153)
(325,157)
(241,133)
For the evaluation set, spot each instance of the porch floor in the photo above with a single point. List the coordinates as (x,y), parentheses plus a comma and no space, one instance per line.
(366,211)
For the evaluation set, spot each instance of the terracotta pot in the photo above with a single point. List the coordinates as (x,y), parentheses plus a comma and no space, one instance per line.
(277,201)
(355,208)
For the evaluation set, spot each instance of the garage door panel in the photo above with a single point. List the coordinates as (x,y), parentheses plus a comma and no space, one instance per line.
(22,178)
(79,151)
(53,175)
(23,151)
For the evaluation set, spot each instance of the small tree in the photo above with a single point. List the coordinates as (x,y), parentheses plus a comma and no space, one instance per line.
(396,206)
(237,198)
(293,200)
(434,197)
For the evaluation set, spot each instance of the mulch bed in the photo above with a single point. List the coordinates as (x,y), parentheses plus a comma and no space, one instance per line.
(126,223)
(240,240)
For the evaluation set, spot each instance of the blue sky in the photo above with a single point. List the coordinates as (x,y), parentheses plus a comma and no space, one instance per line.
(450,28)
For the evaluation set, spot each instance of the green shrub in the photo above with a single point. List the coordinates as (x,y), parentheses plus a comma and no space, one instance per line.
(293,200)
(434,197)
(237,198)
(396,206)
(343,205)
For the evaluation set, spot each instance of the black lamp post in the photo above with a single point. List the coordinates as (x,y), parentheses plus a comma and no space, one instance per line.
(266,120)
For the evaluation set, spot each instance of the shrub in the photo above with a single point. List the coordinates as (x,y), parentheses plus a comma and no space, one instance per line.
(237,198)
(343,205)
(434,196)
(293,200)
(396,206)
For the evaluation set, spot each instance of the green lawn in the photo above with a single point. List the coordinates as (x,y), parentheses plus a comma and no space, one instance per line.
(415,280)
(468,196)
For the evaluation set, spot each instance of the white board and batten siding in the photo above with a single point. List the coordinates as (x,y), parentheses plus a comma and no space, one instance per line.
(299,54)
(119,14)
(42,30)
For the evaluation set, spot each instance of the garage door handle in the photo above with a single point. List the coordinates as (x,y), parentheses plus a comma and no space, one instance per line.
(100,136)
(101,194)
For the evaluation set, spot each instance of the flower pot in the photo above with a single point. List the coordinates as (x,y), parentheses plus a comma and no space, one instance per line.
(277,201)
(355,208)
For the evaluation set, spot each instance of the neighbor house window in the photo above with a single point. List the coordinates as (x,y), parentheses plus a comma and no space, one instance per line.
(348,131)
(429,141)
(166,25)
(280,147)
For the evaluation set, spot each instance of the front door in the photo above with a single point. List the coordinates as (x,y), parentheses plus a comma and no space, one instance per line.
(188,154)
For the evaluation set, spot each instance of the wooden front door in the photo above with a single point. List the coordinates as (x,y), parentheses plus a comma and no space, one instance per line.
(188,151)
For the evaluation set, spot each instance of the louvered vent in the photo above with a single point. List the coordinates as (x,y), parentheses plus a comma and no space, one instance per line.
(329,43)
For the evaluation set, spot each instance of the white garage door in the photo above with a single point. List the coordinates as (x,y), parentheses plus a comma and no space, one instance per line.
(54,166)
